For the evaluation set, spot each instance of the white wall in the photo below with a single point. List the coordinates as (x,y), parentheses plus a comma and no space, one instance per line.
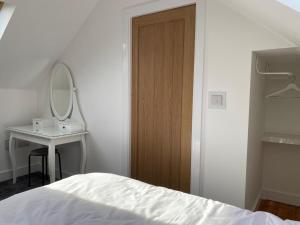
(281,173)
(273,14)
(230,40)
(36,36)
(18,107)
(256,130)
(95,57)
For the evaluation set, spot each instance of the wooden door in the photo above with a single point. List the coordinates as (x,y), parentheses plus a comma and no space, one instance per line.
(162,92)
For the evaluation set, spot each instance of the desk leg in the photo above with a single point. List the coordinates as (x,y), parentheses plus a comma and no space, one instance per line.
(83,155)
(12,154)
(51,162)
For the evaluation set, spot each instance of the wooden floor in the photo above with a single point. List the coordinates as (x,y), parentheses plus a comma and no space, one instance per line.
(281,210)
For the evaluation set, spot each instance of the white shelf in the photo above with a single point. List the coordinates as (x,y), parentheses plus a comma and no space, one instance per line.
(289,139)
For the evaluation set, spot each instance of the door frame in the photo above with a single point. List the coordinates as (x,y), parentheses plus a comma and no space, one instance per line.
(197,158)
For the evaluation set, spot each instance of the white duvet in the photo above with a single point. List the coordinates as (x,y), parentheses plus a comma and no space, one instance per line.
(105,199)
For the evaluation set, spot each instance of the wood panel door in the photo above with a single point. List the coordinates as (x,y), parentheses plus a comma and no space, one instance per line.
(162,92)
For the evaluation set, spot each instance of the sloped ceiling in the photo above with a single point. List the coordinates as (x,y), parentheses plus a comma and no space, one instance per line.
(40,30)
(271,14)
(36,36)
(287,55)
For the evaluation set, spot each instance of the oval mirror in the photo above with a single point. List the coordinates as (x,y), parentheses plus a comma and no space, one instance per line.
(61,92)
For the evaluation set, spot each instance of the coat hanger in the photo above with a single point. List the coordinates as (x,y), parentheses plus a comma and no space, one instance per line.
(291,86)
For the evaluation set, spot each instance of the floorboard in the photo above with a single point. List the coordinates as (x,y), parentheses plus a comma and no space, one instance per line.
(8,189)
(281,210)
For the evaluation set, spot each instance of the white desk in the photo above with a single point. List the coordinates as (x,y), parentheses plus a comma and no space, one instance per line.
(50,137)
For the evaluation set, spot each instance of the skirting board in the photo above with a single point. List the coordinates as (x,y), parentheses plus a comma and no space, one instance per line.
(281,196)
(21,171)
(257,201)
(7,174)
(65,174)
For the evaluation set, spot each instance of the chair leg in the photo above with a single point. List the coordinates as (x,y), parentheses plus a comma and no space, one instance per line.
(59,162)
(46,167)
(29,170)
(43,169)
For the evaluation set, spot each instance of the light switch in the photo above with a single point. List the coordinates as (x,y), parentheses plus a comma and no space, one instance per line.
(217,100)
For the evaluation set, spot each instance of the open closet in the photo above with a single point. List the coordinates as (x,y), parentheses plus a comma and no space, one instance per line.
(273,162)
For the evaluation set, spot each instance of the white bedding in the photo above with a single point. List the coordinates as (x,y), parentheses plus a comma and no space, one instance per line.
(96,199)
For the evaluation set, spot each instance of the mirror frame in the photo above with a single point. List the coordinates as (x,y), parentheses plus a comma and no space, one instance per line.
(71,84)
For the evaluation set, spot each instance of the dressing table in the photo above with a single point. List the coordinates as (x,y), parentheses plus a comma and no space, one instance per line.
(63,128)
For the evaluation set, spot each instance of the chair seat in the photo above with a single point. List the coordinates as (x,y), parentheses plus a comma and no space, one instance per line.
(40,152)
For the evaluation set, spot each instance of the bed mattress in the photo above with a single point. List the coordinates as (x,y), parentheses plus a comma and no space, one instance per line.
(96,199)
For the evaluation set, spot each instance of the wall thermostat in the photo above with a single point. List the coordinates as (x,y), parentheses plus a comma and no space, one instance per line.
(217,100)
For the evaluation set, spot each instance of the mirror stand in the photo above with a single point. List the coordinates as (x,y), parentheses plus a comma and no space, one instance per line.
(77,114)
(64,100)
(75,122)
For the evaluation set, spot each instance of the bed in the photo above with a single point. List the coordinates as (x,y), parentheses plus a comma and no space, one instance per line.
(96,199)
